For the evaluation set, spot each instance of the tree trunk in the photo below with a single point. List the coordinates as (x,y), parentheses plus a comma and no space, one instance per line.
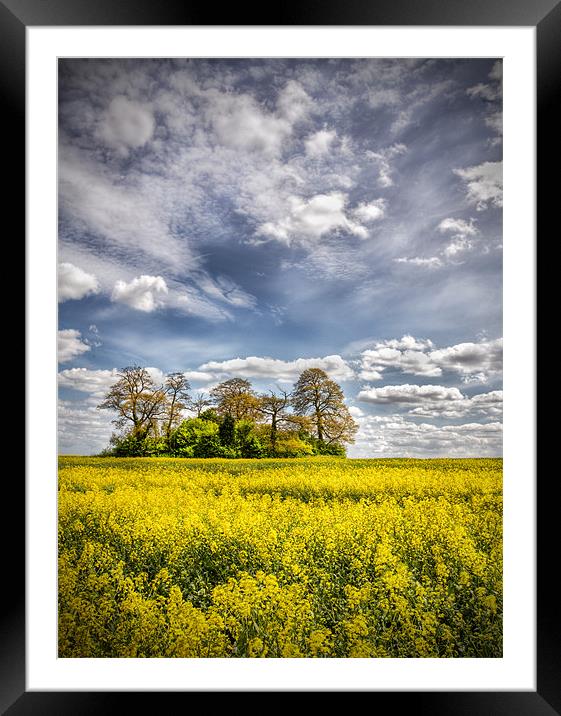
(274,434)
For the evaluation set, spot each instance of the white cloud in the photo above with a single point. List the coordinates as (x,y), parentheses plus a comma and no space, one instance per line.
(258,367)
(484,91)
(240,123)
(82,429)
(126,125)
(468,358)
(464,235)
(495,122)
(322,214)
(70,345)
(497,71)
(225,290)
(431,262)
(406,343)
(384,97)
(407,361)
(94,382)
(97,382)
(484,184)
(409,394)
(130,220)
(458,227)
(293,102)
(74,283)
(416,357)
(144,293)
(383,160)
(371,211)
(319,144)
(424,93)
(199,376)
(488,405)
(370,375)
(460,230)
(456,247)
(396,436)
(491,94)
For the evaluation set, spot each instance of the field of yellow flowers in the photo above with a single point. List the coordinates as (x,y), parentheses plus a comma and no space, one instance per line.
(313,557)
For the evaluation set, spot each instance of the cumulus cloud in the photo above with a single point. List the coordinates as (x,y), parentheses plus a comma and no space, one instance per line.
(370,374)
(410,355)
(96,383)
(143,293)
(488,405)
(82,429)
(84,380)
(409,394)
(434,401)
(371,211)
(70,345)
(406,343)
(396,436)
(75,283)
(259,367)
(241,124)
(311,219)
(407,361)
(319,144)
(467,358)
(199,376)
(484,184)
(126,125)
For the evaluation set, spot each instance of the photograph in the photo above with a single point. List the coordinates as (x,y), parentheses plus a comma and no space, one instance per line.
(280,326)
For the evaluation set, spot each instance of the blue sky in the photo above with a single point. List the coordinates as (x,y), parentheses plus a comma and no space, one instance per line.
(256,217)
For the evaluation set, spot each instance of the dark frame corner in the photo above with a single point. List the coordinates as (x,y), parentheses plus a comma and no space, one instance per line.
(545,15)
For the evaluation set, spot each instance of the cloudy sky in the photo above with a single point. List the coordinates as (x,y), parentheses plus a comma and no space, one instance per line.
(257,217)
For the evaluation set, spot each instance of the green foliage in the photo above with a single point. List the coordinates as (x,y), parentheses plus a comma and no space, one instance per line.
(241,425)
(322,448)
(155,447)
(210,416)
(209,446)
(194,437)
(128,445)
(227,432)
(290,445)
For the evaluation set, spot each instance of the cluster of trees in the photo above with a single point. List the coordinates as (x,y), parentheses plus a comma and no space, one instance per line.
(232,421)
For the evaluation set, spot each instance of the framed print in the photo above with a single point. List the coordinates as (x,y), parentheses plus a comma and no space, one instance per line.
(214,197)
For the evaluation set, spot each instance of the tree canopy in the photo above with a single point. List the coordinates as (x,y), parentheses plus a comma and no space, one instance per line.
(231,421)
(316,395)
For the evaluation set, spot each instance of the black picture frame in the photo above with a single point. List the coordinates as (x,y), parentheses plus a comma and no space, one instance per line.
(545,15)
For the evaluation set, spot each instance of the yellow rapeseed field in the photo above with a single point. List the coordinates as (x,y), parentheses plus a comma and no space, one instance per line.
(314,557)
